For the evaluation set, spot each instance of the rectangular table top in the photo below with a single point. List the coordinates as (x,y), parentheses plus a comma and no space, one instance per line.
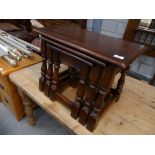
(93,44)
(134,113)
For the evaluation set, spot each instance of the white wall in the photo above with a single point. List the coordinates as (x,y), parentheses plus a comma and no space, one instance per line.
(111,27)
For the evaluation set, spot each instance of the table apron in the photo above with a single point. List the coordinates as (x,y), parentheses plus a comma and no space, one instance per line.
(74,52)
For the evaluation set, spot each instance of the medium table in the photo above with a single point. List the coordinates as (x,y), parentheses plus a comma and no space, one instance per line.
(96,58)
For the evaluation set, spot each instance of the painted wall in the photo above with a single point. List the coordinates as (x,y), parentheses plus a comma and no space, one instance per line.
(110,27)
(144,66)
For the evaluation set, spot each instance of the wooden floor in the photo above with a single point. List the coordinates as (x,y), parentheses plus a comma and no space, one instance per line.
(134,113)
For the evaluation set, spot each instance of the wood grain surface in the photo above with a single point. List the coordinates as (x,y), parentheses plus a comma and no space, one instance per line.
(134,113)
(93,44)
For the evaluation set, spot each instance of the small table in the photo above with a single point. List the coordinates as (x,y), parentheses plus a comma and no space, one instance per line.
(97,59)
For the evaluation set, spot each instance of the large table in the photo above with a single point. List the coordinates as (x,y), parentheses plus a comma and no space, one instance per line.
(95,59)
(134,113)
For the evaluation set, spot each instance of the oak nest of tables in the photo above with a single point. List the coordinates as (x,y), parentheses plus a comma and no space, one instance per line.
(93,61)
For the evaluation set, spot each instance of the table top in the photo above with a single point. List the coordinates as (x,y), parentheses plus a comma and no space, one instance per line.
(94,44)
(134,113)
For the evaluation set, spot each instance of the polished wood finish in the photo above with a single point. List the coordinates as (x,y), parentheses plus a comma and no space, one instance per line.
(49,74)
(91,44)
(121,83)
(44,66)
(55,77)
(93,55)
(80,92)
(152,80)
(105,82)
(8,91)
(133,114)
(91,94)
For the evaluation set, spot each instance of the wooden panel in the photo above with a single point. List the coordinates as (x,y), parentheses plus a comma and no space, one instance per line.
(129,33)
(133,114)
(12,95)
(2,84)
(7,102)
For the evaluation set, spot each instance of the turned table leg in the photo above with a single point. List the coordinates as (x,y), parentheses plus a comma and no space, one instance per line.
(120,84)
(80,92)
(73,76)
(105,82)
(85,110)
(152,80)
(55,77)
(28,106)
(43,67)
(49,72)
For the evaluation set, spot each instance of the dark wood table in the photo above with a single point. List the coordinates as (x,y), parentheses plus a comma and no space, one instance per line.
(93,59)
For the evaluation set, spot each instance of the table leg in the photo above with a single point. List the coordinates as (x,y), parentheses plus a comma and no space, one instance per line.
(43,67)
(80,92)
(49,72)
(55,77)
(73,76)
(93,77)
(152,80)
(105,82)
(120,84)
(28,105)
(43,75)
